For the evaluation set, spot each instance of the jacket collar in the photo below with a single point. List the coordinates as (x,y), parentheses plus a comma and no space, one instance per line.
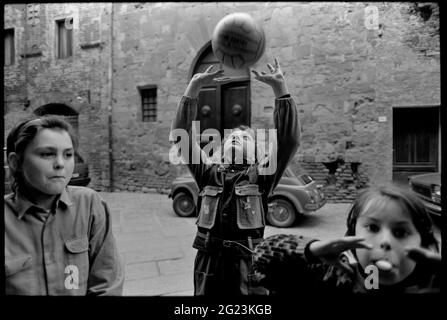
(20,204)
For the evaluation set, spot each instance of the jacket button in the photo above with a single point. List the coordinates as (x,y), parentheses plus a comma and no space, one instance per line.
(225,214)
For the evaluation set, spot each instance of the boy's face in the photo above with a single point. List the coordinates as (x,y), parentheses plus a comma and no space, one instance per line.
(239,145)
(388,229)
(48,162)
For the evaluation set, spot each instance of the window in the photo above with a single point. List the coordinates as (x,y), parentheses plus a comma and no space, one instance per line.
(64,38)
(9,47)
(149,103)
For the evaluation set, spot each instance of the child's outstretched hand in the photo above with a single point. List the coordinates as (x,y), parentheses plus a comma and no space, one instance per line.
(202,78)
(422,255)
(329,251)
(207,76)
(275,79)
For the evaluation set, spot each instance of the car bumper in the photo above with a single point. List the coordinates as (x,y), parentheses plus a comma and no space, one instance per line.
(315,206)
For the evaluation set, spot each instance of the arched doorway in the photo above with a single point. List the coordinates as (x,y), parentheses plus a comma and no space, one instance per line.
(222,106)
(70,115)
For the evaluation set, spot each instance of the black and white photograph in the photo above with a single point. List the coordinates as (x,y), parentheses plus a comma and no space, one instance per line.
(222,149)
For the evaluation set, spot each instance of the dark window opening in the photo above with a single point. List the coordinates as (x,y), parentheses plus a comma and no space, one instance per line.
(415,138)
(64,38)
(415,141)
(149,104)
(9,47)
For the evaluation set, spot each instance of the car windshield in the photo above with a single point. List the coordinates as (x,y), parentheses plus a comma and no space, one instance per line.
(303,178)
(306,178)
(289,173)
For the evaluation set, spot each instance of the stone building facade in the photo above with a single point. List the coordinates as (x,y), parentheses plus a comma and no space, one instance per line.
(353,68)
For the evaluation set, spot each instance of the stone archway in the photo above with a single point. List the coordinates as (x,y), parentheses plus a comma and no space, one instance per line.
(69,114)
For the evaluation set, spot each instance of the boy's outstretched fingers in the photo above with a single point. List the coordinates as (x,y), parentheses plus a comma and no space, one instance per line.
(352,242)
(329,251)
(423,255)
(256,73)
(337,246)
(215,73)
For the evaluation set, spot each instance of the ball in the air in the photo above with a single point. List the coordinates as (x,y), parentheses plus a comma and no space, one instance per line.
(238,40)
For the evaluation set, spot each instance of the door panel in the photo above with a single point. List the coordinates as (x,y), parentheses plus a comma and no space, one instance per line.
(216,101)
(208,109)
(236,105)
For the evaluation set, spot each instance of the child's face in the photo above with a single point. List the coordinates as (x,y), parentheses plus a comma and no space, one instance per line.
(48,162)
(388,229)
(241,143)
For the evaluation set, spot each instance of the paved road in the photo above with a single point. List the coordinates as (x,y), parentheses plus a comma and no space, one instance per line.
(156,244)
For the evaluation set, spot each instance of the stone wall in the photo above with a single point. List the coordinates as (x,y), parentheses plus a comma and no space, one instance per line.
(79,82)
(343,76)
(340,181)
(346,79)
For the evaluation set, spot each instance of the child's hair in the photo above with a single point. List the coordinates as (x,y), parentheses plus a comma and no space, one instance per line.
(24,133)
(407,200)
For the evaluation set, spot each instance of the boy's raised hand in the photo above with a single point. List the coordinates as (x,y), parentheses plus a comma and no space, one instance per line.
(329,250)
(275,79)
(206,77)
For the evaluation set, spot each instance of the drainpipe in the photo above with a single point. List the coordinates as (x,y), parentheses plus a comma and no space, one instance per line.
(109,108)
(24,54)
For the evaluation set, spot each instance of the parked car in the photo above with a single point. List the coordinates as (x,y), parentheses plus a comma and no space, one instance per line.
(80,175)
(428,188)
(294,195)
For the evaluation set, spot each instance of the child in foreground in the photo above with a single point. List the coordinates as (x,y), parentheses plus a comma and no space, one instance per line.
(389,247)
(58,238)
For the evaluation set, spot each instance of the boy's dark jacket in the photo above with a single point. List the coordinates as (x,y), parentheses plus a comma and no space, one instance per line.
(233,200)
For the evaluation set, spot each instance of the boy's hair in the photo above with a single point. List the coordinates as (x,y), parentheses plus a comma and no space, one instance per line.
(24,133)
(409,202)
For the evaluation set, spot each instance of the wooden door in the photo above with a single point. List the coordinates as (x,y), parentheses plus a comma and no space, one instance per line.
(222,106)
(208,111)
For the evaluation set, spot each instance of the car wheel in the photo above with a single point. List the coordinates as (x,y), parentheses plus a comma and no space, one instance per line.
(281,213)
(183,204)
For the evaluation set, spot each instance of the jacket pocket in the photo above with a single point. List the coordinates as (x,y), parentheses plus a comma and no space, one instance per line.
(76,266)
(208,208)
(250,213)
(77,245)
